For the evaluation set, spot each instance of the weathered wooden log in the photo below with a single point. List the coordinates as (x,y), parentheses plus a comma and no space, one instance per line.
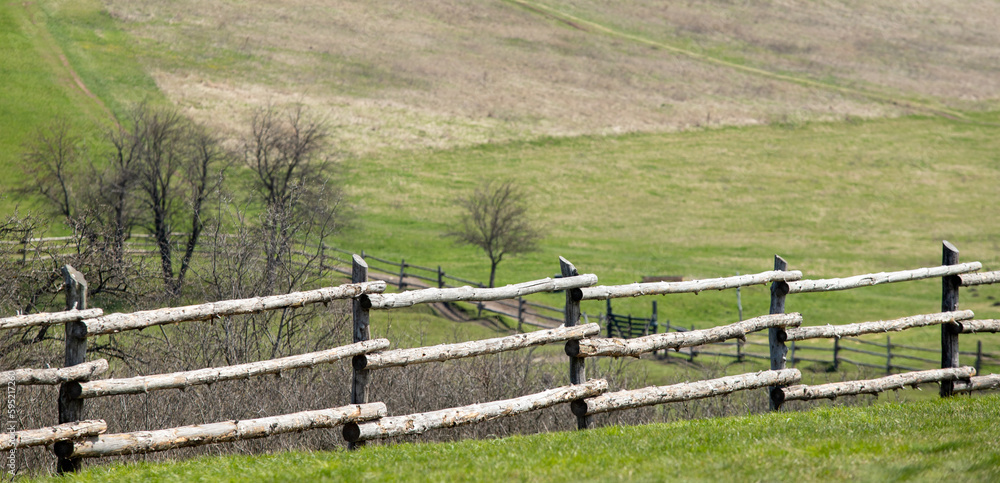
(984,278)
(48,318)
(687,391)
(693,286)
(53,376)
(51,434)
(982,325)
(211,375)
(895,325)
(834,284)
(614,347)
(112,323)
(444,352)
(475,294)
(872,386)
(977,383)
(473,413)
(199,434)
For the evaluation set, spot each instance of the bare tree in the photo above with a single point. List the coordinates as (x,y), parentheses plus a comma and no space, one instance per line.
(287,152)
(52,158)
(494,218)
(179,166)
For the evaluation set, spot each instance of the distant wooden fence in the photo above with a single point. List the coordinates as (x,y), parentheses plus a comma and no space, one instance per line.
(73,439)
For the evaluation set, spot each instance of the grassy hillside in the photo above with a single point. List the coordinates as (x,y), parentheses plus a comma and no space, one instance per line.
(61,59)
(926,441)
(833,199)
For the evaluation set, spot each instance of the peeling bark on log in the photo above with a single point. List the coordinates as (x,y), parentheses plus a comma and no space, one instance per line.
(688,391)
(983,325)
(985,278)
(474,413)
(675,340)
(48,318)
(693,286)
(50,377)
(895,325)
(51,434)
(444,352)
(834,284)
(977,383)
(472,294)
(211,375)
(151,441)
(872,386)
(111,323)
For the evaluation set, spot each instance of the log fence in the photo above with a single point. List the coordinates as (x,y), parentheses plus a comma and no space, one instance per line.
(75,438)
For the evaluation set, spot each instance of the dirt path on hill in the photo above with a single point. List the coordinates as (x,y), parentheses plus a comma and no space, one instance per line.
(57,50)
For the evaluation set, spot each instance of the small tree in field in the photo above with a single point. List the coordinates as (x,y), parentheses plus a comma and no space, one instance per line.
(494,218)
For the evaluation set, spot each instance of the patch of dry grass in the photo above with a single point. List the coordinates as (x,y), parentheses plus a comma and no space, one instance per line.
(443,73)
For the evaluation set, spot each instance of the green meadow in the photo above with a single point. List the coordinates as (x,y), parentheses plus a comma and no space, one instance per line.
(924,441)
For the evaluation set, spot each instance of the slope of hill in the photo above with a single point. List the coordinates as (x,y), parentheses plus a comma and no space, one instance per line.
(441,73)
(60,60)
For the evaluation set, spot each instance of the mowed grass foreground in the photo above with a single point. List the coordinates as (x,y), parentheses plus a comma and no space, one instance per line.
(932,440)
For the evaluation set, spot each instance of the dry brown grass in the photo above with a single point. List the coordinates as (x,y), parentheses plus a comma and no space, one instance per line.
(443,73)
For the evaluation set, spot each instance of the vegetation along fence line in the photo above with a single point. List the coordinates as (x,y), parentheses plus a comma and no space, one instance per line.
(361,420)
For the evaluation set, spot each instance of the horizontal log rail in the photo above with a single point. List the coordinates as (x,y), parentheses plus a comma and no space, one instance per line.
(211,375)
(694,286)
(473,413)
(51,434)
(675,340)
(48,318)
(872,386)
(112,323)
(984,278)
(473,294)
(978,383)
(982,325)
(687,391)
(867,280)
(895,325)
(200,434)
(56,375)
(443,352)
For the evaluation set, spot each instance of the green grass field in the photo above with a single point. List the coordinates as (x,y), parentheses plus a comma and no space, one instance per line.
(926,441)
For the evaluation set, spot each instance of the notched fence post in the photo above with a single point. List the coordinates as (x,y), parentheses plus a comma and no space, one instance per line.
(360,306)
(776,336)
(70,404)
(949,303)
(577,372)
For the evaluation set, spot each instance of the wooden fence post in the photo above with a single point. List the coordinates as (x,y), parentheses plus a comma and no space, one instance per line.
(520,314)
(402,273)
(836,353)
(692,353)
(577,372)
(359,381)
(776,335)
(949,303)
(888,355)
(440,277)
(71,408)
(979,355)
